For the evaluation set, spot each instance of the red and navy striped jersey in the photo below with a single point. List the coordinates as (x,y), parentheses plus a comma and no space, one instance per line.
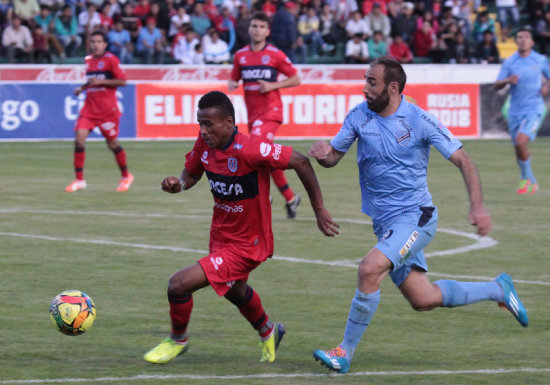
(238,177)
(101,101)
(266,64)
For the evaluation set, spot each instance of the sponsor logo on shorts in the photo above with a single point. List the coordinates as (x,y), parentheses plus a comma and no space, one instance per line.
(265,149)
(232,164)
(216,262)
(257,123)
(229,208)
(406,249)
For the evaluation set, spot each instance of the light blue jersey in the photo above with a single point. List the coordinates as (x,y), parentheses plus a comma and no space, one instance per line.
(525,95)
(392,155)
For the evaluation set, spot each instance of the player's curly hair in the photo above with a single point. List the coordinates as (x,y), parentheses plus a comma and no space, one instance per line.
(220,101)
(393,72)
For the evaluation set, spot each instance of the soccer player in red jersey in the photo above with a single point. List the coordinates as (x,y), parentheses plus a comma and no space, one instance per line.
(100,110)
(241,238)
(258,65)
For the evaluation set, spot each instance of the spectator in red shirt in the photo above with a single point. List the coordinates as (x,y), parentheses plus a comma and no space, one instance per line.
(424,40)
(106,20)
(399,50)
(141,10)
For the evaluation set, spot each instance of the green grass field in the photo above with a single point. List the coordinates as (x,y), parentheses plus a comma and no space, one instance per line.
(120,248)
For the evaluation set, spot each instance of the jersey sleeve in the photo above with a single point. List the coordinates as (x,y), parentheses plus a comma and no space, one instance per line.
(439,136)
(272,155)
(193,162)
(504,71)
(347,134)
(236,71)
(118,72)
(285,66)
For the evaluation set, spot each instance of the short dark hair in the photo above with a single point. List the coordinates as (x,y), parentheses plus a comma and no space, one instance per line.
(393,72)
(220,101)
(261,16)
(525,28)
(99,33)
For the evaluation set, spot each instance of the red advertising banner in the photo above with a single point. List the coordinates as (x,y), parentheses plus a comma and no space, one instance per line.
(168,110)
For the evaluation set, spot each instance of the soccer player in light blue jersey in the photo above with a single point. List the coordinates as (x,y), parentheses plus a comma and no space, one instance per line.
(393,147)
(524,71)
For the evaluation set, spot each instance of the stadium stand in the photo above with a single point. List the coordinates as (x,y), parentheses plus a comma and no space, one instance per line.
(60,28)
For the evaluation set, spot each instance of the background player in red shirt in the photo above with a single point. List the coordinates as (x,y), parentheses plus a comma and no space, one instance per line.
(238,171)
(258,65)
(100,110)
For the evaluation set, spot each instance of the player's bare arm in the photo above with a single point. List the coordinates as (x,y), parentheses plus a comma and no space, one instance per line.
(301,164)
(500,84)
(232,85)
(174,185)
(544,88)
(292,81)
(478,216)
(325,154)
(96,82)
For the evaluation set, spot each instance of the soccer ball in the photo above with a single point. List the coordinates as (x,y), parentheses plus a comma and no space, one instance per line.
(72,312)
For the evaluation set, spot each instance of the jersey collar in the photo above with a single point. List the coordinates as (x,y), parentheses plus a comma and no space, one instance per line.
(232,139)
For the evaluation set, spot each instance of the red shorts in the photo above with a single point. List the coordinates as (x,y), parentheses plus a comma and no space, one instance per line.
(263,130)
(223,267)
(108,125)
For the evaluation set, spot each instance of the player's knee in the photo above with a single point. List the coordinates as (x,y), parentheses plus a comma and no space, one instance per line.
(370,271)
(177,285)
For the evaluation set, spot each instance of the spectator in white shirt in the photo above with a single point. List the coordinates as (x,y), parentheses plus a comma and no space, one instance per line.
(357,51)
(88,21)
(177,21)
(216,51)
(356,24)
(17,41)
(378,21)
(184,46)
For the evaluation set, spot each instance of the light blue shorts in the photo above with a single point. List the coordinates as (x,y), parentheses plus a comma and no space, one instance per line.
(527,124)
(404,239)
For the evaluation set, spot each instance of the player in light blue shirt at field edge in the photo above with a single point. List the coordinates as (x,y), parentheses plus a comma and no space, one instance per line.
(393,147)
(524,71)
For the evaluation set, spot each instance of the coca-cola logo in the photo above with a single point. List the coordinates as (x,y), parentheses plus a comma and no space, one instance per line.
(76,74)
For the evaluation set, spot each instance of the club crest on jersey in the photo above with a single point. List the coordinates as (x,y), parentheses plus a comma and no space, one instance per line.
(242,60)
(232,164)
(265,149)
(237,146)
(266,59)
(403,137)
(100,65)
(204,157)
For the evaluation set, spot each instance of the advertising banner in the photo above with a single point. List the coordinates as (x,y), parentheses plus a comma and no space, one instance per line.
(48,111)
(311,110)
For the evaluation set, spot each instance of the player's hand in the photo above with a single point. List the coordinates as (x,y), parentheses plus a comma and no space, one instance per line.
(171,185)
(232,85)
(326,224)
(265,86)
(481,219)
(513,79)
(78,90)
(319,150)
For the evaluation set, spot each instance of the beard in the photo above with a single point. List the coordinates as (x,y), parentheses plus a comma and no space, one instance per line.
(381,102)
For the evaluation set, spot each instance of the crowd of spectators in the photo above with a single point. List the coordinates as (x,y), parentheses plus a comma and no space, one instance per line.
(210,31)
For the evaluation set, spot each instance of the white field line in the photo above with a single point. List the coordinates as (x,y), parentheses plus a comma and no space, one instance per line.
(337,263)
(480,242)
(160,377)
